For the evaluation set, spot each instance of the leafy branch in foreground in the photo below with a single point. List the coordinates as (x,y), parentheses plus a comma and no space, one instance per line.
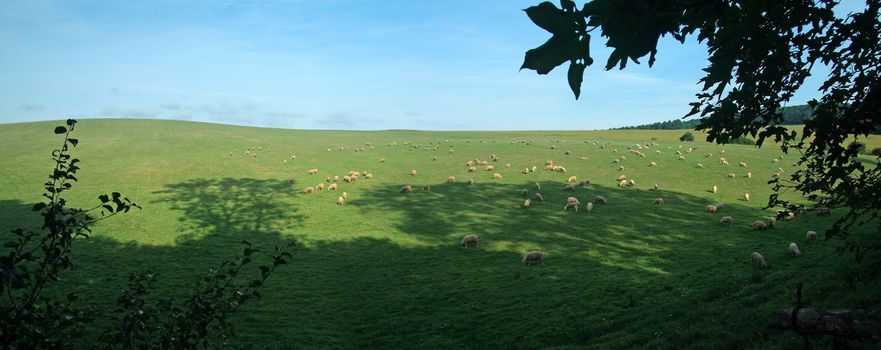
(759,54)
(35,259)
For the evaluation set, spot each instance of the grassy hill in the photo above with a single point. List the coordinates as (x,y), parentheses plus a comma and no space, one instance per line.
(385,270)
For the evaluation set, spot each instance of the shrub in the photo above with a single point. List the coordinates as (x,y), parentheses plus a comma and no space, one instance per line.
(876,151)
(743,140)
(687,136)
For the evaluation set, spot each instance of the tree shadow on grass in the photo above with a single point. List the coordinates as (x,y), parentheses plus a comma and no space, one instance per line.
(628,275)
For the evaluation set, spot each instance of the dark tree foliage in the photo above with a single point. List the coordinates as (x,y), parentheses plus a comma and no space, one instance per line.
(760,53)
(31,320)
(793,115)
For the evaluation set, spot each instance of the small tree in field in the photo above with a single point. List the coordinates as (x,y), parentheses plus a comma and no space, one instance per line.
(688,136)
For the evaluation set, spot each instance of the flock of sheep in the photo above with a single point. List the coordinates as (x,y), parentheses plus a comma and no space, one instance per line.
(572,202)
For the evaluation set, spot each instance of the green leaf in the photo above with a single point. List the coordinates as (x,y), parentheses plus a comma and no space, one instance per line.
(60,129)
(576,74)
(73,142)
(556,51)
(549,17)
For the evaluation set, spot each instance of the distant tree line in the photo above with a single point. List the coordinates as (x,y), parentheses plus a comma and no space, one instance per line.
(794,115)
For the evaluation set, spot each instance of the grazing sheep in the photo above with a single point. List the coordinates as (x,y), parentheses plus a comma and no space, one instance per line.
(497,176)
(433,158)
(340,201)
(413,172)
(653,164)
(715,189)
(631,183)
(775,175)
(775,160)
(793,249)
(589,207)
(621,168)
(622,177)
(724,162)
(742,165)
(572,179)
(331,187)
(426,188)
(489,168)
(406,189)
(368,176)
(726,220)
(680,158)
(469,240)
(749,175)
(472,169)
(538,186)
(507,165)
(533,257)
(569,188)
(527,203)
(319,187)
(712,208)
(451,179)
(533,168)
(347,178)
(622,183)
(572,203)
(524,192)
(746,197)
(700,165)
(526,170)
(345,194)
(600,200)
(309,189)
(772,222)
(584,183)
(758,260)
(811,236)
(470,181)
(732,175)
(285,161)
(659,201)
(329,179)
(759,225)
(538,197)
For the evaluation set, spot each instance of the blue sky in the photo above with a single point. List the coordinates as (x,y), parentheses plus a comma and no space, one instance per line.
(330,64)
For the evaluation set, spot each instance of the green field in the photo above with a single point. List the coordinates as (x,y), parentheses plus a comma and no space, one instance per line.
(385,270)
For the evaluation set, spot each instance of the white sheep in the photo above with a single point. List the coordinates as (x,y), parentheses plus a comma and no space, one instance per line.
(658,201)
(700,165)
(811,236)
(413,172)
(527,203)
(569,188)
(726,220)
(332,187)
(345,194)
(533,257)
(497,176)
(470,181)
(340,201)
(599,200)
(451,179)
(469,240)
(715,189)
(589,207)
(426,188)
(772,222)
(571,203)
(793,249)
(309,189)
(712,208)
(653,164)
(406,189)
(572,179)
(758,260)
(746,197)
(622,183)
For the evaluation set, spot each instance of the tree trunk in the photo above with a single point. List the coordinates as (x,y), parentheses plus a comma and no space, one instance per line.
(851,324)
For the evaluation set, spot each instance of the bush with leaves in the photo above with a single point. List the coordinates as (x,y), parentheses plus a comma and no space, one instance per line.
(688,136)
(876,152)
(760,53)
(31,320)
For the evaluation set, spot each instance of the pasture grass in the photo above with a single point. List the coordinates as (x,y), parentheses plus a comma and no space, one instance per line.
(385,269)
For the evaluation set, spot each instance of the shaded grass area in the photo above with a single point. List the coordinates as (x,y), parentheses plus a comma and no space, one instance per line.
(385,270)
